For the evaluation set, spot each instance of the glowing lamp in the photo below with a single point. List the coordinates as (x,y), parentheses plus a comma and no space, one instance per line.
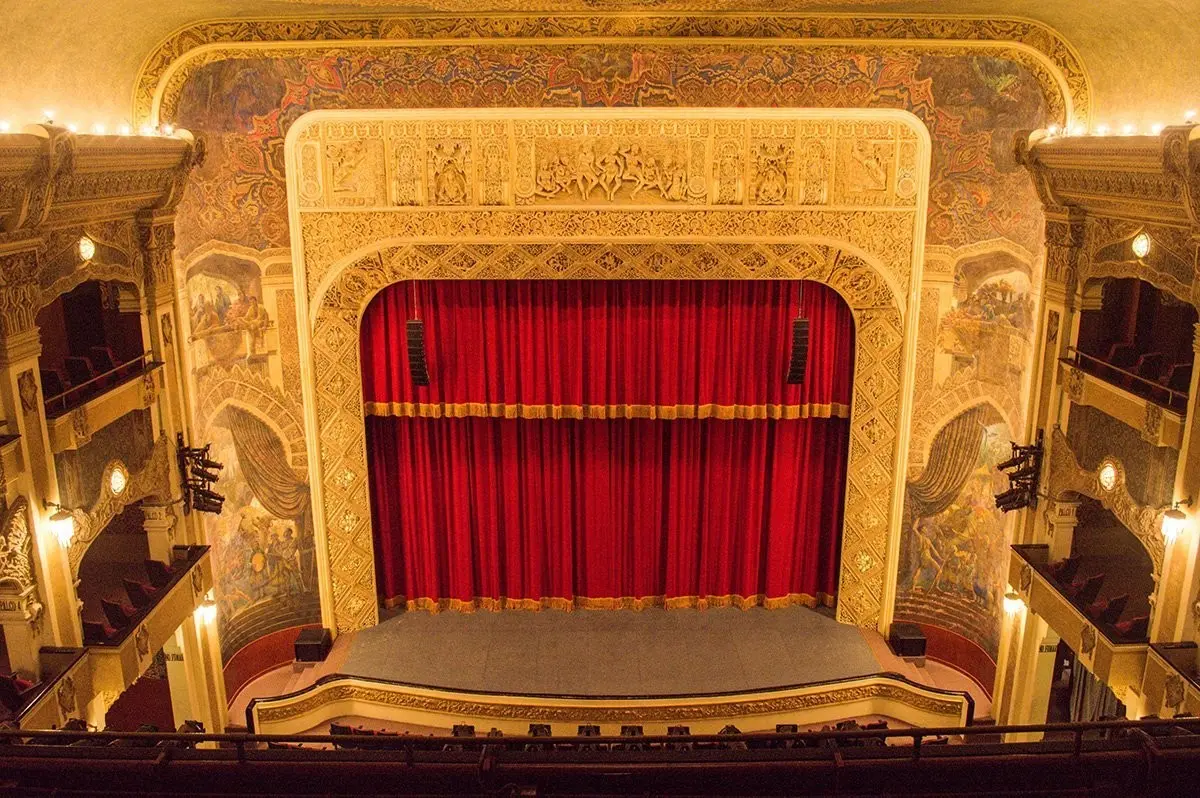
(87,248)
(1173,523)
(1012,603)
(206,613)
(62,524)
(5,126)
(117,480)
(1156,128)
(1141,245)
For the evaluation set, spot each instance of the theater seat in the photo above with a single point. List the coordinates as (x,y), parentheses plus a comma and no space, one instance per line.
(97,632)
(1134,628)
(159,572)
(118,614)
(13,690)
(1064,570)
(1109,612)
(141,594)
(80,371)
(1090,589)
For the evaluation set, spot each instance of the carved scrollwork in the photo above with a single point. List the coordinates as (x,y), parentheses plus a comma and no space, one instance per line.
(16,548)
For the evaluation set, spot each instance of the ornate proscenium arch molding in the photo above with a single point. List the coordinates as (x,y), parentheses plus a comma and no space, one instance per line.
(837,196)
(1041,49)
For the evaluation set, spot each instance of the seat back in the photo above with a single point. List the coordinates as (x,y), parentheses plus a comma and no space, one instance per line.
(159,572)
(102,359)
(1116,606)
(139,596)
(52,383)
(115,613)
(1091,588)
(79,370)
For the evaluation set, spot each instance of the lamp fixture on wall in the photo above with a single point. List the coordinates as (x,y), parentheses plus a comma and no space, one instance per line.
(1012,603)
(1174,520)
(206,613)
(62,524)
(1141,244)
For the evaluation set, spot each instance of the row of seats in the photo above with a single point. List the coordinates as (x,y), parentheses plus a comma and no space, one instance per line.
(79,370)
(1085,592)
(120,612)
(378,738)
(1151,366)
(86,740)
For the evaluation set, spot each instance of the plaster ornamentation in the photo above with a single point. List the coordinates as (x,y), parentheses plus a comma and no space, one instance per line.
(66,697)
(624,194)
(1173,691)
(27,387)
(16,548)
(1152,423)
(1087,639)
(1066,476)
(153,480)
(1041,49)
(397,697)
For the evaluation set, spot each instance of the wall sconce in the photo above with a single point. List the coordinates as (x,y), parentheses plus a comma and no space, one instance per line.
(1174,520)
(1013,603)
(206,613)
(87,248)
(62,524)
(1141,245)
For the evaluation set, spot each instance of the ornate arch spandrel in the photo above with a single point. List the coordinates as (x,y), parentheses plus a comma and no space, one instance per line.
(1066,476)
(874,419)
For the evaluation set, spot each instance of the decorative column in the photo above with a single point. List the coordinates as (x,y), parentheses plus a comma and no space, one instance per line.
(1061,520)
(20,601)
(1032,677)
(182,706)
(1012,628)
(159,522)
(156,231)
(21,401)
(202,666)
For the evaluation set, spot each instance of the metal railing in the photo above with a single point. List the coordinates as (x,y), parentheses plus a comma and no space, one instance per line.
(1147,389)
(76,395)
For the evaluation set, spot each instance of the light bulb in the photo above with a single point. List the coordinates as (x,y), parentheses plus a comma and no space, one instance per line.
(168,130)
(1128,130)
(126,130)
(1102,130)
(1172,523)
(206,613)
(1012,603)
(5,126)
(98,129)
(87,248)
(1156,128)
(71,126)
(62,524)
(48,115)
(147,130)
(1078,130)
(1189,116)
(1141,245)
(1052,130)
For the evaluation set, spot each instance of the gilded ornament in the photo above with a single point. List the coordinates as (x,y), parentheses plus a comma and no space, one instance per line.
(1173,691)
(28,389)
(1087,639)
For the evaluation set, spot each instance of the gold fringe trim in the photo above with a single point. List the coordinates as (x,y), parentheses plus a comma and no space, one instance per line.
(667,412)
(620,603)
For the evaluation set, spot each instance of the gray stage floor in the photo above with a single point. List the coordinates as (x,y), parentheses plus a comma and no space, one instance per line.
(612,652)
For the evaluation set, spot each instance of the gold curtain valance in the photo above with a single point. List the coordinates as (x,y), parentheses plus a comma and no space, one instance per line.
(666,412)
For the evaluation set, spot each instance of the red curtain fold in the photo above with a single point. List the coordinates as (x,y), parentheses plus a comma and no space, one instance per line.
(538,344)
(506,500)
(519,511)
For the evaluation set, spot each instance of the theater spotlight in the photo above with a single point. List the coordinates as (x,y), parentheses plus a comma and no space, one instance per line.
(1024,471)
(197,474)
(798,362)
(418,367)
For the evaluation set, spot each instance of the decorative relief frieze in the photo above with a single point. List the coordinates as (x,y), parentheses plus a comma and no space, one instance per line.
(604,161)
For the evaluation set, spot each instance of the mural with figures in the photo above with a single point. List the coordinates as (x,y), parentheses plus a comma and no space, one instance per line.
(972,102)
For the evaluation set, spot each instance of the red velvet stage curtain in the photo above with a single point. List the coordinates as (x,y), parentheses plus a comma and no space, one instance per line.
(607,348)
(536,471)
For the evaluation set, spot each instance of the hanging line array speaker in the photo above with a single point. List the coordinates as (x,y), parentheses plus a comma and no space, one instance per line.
(799,361)
(417,365)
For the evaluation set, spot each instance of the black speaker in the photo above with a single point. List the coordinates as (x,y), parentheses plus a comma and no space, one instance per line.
(799,361)
(417,366)
(907,640)
(312,645)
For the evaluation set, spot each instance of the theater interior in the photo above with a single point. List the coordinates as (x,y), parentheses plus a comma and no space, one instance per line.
(593,397)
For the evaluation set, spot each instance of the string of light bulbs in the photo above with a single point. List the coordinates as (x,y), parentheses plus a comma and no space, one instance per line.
(97,129)
(1079,129)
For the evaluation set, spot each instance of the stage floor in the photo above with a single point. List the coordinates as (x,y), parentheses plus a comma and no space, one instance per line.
(612,652)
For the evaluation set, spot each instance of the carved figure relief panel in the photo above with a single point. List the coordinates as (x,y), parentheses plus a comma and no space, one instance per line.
(633,160)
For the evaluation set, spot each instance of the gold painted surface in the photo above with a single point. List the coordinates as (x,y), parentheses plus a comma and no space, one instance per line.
(1041,49)
(499,410)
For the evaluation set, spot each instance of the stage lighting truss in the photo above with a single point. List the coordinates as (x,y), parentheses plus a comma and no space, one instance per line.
(1024,470)
(197,474)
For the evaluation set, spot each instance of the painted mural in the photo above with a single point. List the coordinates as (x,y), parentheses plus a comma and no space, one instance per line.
(972,101)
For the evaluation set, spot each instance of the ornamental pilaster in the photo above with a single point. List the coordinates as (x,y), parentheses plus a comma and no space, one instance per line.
(19,291)
(1064,247)
(156,237)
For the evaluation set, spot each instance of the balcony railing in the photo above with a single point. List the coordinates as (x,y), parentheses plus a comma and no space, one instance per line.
(115,377)
(1156,392)
(39,708)
(1119,662)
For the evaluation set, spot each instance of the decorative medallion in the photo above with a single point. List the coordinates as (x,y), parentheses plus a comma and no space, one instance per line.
(1087,640)
(1074,383)
(1173,691)
(1108,475)
(27,387)
(1026,578)
(141,641)
(1152,423)
(197,582)
(167,329)
(66,696)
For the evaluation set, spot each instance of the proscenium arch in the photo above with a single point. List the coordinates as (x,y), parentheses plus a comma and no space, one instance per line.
(343,256)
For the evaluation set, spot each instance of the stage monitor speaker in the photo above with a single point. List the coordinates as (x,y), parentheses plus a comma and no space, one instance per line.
(417,366)
(908,641)
(312,645)
(799,361)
